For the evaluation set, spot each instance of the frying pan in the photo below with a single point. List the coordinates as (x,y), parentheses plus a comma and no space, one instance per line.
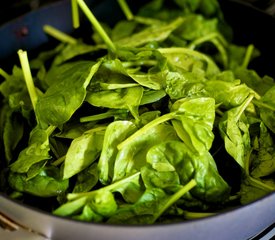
(250,26)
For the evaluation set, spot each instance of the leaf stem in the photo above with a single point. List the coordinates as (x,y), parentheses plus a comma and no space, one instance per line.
(61,36)
(244,106)
(96,25)
(59,161)
(4,74)
(261,185)
(264,105)
(23,57)
(144,129)
(75,14)
(175,197)
(126,10)
(50,130)
(111,187)
(247,56)
(195,215)
(102,116)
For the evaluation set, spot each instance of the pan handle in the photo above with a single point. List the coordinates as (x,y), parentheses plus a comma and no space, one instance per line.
(12,231)
(267,6)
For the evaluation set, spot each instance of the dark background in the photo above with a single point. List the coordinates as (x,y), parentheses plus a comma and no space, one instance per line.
(13,8)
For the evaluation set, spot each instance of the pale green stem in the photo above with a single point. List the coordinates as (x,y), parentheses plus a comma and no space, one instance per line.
(50,130)
(261,185)
(59,161)
(206,38)
(247,102)
(4,74)
(175,197)
(217,40)
(61,36)
(144,129)
(126,10)
(23,57)
(222,51)
(101,116)
(96,25)
(247,56)
(195,215)
(264,105)
(111,187)
(75,14)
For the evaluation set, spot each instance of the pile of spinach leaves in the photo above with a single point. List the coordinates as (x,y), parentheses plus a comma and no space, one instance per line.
(156,119)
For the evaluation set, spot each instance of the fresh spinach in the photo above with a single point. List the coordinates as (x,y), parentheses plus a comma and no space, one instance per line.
(145,126)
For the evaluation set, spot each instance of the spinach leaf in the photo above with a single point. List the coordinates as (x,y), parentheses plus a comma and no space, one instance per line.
(252,79)
(88,215)
(13,83)
(253,189)
(263,164)
(13,130)
(186,59)
(194,122)
(64,97)
(132,156)
(228,94)
(115,133)
(70,208)
(73,50)
(153,203)
(125,98)
(101,201)
(184,84)
(143,211)
(83,151)
(86,179)
(234,130)
(267,110)
(152,33)
(47,183)
(166,160)
(37,150)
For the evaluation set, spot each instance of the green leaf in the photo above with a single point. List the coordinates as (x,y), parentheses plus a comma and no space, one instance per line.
(13,130)
(65,96)
(194,122)
(267,110)
(115,133)
(103,203)
(252,189)
(132,156)
(152,33)
(47,183)
(88,215)
(184,84)
(186,59)
(36,151)
(83,151)
(228,94)
(71,208)
(263,164)
(125,98)
(174,162)
(143,211)
(71,51)
(253,80)
(86,179)
(234,130)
